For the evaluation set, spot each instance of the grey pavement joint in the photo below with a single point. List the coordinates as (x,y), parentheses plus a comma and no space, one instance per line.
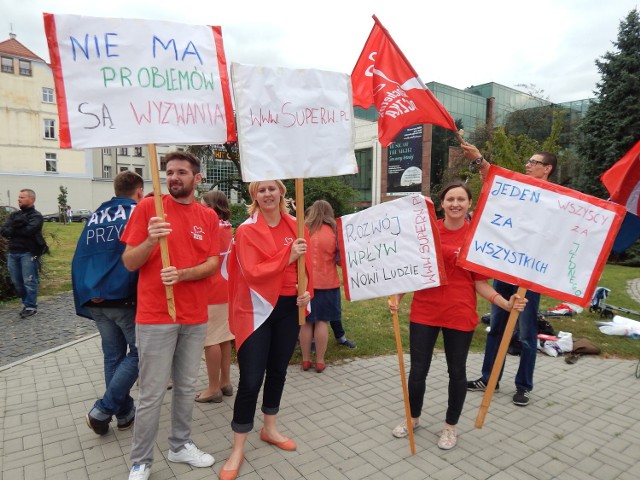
(583,423)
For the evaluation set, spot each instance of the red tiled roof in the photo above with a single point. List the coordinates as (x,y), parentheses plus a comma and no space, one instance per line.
(14,48)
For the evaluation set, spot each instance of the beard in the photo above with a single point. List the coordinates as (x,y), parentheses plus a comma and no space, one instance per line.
(179,190)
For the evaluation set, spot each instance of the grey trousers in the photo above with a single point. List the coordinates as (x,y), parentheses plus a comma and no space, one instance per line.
(165,351)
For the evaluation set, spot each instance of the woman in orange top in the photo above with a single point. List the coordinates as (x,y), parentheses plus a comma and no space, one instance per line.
(325,306)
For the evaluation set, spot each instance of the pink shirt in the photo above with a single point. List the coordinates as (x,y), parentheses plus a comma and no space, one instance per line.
(323,251)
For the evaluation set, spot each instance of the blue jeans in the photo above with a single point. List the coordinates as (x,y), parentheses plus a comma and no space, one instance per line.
(422,339)
(117,328)
(265,356)
(23,270)
(528,334)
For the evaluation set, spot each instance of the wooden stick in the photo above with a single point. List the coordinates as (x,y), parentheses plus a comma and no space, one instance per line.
(164,246)
(302,275)
(499,362)
(405,391)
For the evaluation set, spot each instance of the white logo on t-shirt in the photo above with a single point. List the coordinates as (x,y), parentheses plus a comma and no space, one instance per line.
(197,232)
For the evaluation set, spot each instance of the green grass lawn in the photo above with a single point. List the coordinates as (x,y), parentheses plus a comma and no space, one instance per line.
(369,324)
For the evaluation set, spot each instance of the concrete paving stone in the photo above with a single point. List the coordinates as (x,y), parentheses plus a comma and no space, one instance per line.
(607,472)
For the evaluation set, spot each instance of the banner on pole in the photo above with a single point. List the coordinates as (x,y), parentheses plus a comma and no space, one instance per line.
(390,248)
(293,123)
(540,236)
(133,82)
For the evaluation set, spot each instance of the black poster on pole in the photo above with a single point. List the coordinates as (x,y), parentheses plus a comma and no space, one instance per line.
(404,166)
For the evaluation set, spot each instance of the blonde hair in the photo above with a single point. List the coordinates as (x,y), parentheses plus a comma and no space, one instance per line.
(253,191)
(319,213)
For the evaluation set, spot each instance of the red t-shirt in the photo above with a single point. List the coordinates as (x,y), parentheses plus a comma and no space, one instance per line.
(218,293)
(452,305)
(193,239)
(323,246)
(282,236)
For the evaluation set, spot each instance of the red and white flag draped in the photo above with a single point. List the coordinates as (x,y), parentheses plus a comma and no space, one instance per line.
(383,76)
(622,180)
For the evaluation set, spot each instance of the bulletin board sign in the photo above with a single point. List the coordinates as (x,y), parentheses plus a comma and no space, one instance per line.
(293,123)
(134,82)
(540,236)
(390,248)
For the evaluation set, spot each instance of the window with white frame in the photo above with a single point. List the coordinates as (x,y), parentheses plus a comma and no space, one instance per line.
(47,95)
(138,170)
(106,171)
(7,65)
(25,68)
(124,169)
(137,151)
(106,151)
(123,151)
(51,162)
(49,128)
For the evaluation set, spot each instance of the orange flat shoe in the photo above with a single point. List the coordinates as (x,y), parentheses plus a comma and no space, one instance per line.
(320,367)
(306,365)
(229,474)
(288,444)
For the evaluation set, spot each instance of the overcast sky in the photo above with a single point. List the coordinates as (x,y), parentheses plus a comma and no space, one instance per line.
(549,43)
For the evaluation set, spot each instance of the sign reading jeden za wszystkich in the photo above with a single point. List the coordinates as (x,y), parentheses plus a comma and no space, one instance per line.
(132,82)
(390,248)
(540,236)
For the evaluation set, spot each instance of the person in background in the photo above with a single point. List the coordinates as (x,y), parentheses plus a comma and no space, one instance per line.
(452,309)
(105,291)
(263,313)
(68,216)
(167,346)
(217,345)
(23,229)
(325,305)
(541,165)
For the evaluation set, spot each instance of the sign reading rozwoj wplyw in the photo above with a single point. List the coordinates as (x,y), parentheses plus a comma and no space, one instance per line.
(540,236)
(390,248)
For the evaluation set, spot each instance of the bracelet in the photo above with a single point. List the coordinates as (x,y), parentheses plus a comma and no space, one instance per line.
(493,297)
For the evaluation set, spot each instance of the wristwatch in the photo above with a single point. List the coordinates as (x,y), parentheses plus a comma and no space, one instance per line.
(477,161)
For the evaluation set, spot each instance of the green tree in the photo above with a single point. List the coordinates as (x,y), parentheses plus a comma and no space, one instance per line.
(612,124)
(332,189)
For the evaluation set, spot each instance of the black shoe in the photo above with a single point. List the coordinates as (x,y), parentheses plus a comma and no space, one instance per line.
(521,398)
(479,385)
(125,425)
(347,344)
(28,312)
(100,427)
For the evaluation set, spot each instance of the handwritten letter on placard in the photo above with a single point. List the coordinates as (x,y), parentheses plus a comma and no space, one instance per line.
(541,236)
(293,123)
(132,82)
(390,248)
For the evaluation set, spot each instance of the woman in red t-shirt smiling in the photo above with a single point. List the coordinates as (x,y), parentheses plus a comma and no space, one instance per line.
(452,309)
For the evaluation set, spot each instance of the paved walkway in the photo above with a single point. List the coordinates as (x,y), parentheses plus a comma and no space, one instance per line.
(583,423)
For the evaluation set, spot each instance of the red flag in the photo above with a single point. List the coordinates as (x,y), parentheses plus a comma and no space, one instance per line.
(385,77)
(623,180)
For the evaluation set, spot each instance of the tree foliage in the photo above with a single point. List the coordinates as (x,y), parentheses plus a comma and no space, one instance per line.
(612,124)
(332,189)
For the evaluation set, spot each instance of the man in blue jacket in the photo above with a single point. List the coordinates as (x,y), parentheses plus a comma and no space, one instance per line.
(105,291)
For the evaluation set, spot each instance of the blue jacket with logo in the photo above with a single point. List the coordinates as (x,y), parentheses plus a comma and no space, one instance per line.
(97,270)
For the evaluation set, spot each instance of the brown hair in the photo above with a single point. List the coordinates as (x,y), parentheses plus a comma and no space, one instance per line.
(217,200)
(189,157)
(253,191)
(451,186)
(126,183)
(319,213)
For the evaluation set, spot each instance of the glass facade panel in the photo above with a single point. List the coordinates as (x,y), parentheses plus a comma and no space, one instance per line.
(362,180)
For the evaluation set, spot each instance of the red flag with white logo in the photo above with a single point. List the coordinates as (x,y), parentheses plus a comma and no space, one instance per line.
(384,77)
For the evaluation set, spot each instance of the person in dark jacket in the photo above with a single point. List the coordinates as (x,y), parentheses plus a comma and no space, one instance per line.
(23,228)
(105,291)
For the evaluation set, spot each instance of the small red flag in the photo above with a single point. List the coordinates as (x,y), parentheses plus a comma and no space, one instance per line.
(384,76)
(623,180)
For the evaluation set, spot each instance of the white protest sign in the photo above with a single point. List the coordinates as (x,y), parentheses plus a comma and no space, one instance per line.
(132,82)
(540,236)
(293,123)
(391,248)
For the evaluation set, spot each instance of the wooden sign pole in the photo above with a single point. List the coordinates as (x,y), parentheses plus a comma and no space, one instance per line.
(499,362)
(164,246)
(302,275)
(405,391)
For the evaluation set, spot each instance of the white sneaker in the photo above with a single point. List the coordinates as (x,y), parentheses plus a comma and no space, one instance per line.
(140,472)
(192,455)
(448,439)
(402,430)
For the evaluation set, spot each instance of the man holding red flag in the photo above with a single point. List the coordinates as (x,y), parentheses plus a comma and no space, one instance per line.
(384,76)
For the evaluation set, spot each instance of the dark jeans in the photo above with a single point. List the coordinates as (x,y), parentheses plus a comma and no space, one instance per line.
(338,330)
(117,329)
(265,356)
(527,331)
(422,339)
(23,270)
